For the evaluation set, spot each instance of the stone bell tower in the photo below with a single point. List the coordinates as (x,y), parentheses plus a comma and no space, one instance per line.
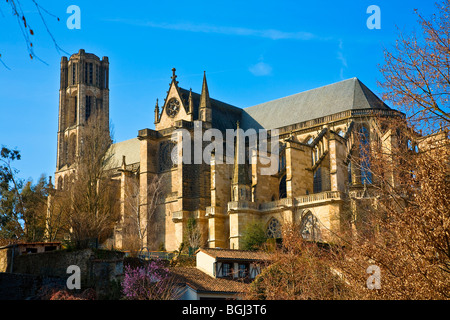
(84,93)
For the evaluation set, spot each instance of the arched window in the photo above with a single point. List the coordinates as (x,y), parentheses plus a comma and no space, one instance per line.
(282,188)
(273,229)
(317,182)
(65,151)
(60,183)
(364,154)
(282,161)
(64,183)
(349,172)
(72,149)
(309,228)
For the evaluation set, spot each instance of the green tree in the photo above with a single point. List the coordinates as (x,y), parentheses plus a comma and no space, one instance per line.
(34,197)
(11,204)
(253,236)
(23,205)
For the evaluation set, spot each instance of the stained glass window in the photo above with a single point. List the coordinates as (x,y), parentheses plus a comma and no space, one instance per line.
(274,229)
(310,229)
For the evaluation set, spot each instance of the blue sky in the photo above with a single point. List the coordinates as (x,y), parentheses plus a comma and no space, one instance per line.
(252,52)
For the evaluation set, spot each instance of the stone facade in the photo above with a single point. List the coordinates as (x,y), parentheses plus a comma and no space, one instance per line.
(319,131)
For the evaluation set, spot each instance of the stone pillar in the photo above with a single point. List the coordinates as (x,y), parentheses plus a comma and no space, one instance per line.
(338,170)
(299,179)
(148,170)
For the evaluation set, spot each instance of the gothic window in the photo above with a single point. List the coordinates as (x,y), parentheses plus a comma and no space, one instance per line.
(349,172)
(364,149)
(86,72)
(341,133)
(105,78)
(309,228)
(74,73)
(165,156)
(317,183)
(97,75)
(66,77)
(65,150)
(282,161)
(60,183)
(282,188)
(72,149)
(91,73)
(75,109)
(88,107)
(273,229)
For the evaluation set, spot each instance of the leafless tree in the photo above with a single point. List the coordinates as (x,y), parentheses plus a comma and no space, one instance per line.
(298,270)
(194,233)
(406,225)
(140,221)
(18,10)
(93,192)
(417,71)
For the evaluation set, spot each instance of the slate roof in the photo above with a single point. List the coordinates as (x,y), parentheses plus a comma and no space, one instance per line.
(231,254)
(224,115)
(202,282)
(129,148)
(312,104)
(308,105)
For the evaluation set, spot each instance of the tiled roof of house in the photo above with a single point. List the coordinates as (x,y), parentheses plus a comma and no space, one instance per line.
(21,244)
(230,254)
(202,282)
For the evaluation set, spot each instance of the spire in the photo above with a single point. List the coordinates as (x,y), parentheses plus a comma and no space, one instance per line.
(174,76)
(204,99)
(240,172)
(191,102)
(156,112)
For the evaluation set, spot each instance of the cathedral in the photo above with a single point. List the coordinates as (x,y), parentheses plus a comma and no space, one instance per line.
(317,167)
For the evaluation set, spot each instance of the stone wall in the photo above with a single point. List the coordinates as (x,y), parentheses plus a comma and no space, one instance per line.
(98,267)
(14,286)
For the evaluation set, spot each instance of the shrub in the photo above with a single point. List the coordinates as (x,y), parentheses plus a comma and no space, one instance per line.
(152,281)
(253,236)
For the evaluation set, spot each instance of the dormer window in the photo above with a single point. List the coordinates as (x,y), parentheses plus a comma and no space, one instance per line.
(226,269)
(243,270)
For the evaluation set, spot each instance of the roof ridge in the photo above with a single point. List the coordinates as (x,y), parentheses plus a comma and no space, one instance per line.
(308,90)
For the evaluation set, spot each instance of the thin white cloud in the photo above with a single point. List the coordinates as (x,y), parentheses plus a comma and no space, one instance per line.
(261,69)
(342,59)
(205,28)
